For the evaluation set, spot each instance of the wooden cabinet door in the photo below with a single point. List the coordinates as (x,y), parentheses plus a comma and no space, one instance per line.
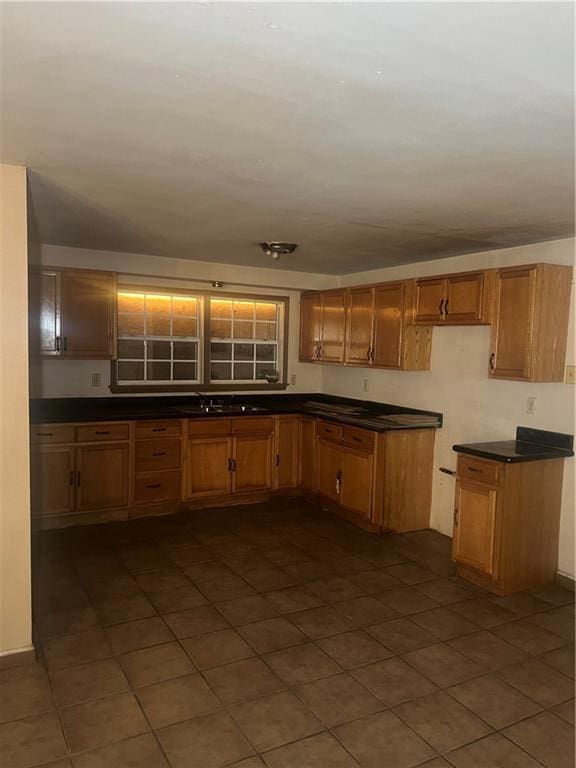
(333,326)
(474,526)
(251,457)
(52,480)
(310,326)
(328,469)
(359,323)
(429,300)
(102,473)
(357,481)
(307,453)
(286,452)
(464,294)
(88,314)
(44,312)
(209,466)
(388,325)
(512,328)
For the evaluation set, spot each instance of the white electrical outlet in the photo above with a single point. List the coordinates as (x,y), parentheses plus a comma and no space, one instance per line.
(531,405)
(365,385)
(570,374)
(293,379)
(96,380)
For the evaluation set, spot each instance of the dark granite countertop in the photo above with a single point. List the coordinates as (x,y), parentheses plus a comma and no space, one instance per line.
(379,417)
(529,445)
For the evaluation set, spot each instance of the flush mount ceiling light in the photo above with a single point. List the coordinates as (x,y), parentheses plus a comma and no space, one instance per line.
(275,248)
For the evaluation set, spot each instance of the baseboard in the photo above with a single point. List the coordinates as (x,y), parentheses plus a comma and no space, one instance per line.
(17,657)
(563,580)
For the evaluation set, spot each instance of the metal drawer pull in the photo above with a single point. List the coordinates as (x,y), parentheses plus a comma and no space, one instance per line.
(102,432)
(154,485)
(475,469)
(44,434)
(357,439)
(159,453)
(158,429)
(330,431)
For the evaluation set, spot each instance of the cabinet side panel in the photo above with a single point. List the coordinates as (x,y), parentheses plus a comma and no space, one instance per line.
(551,322)
(408,479)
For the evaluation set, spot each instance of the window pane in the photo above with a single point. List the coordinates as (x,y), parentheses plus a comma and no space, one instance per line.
(184,326)
(158,350)
(265,331)
(158,371)
(131,325)
(185,350)
(221,309)
(131,302)
(243,310)
(243,329)
(158,325)
(130,371)
(243,351)
(221,329)
(221,371)
(265,311)
(158,305)
(244,371)
(263,368)
(183,306)
(265,352)
(184,371)
(219,351)
(131,349)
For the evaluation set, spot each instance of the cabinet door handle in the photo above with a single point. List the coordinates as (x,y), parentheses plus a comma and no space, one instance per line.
(229,465)
(475,469)
(65,343)
(233,465)
(446,307)
(71,477)
(102,432)
(158,429)
(492,359)
(159,453)
(154,485)
(57,343)
(456,516)
(277,459)
(320,351)
(78,475)
(338,481)
(440,310)
(368,353)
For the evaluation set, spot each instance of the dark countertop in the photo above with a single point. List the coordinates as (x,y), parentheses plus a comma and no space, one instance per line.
(529,445)
(379,417)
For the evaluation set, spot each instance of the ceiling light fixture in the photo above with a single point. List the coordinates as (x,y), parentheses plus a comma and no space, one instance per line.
(275,248)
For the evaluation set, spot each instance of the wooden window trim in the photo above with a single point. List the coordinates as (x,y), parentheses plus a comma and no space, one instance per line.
(204,385)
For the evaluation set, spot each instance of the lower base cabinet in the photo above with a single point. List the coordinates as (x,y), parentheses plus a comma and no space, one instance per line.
(53,480)
(475,526)
(209,467)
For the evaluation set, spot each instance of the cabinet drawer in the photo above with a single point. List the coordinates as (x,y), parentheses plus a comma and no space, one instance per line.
(157,486)
(149,429)
(358,438)
(330,431)
(158,454)
(262,425)
(52,433)
(90,433)
(477,469)
(209,427)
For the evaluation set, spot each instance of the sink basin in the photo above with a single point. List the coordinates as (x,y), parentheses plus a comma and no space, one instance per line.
(235,408)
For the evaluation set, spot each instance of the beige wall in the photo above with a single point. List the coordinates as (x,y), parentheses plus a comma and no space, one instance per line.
(15,603)
(72,378)
(475,408)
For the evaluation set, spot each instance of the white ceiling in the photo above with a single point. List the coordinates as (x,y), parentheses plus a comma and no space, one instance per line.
(371,134)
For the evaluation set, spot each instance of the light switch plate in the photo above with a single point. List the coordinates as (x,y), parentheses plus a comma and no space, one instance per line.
(570,374)
(96,380)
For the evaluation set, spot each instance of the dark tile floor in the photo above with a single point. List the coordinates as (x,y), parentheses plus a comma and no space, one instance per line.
(281,636)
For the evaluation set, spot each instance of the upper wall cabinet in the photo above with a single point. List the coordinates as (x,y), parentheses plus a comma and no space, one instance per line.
(529,330)
(322,326)
(73,313)
(460,299)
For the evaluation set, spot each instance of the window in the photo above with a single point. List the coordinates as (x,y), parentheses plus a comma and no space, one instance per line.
(162,345)
(158,338)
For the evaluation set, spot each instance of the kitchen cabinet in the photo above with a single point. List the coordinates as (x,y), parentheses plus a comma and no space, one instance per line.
(102,476)
(157,461)
(359,325)
(506,522)
(459,299)
(310,326)
(251,463)
(286,461)
(356,481)
(53,480)
(73,313)
(209,467)
(329,460)
(307,453)
(322,326)
(529,330)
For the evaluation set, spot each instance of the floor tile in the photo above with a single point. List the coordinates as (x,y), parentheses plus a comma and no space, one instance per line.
(352,649)
(178,699)
(306,572)
(275,720)
(321,751)
(88,681)
(363,611)
(271,635)
(382,740)
(243,610)
(321,622)
(483,612)
(64,622)
(443,665)
(142,633)
(560,621)
(147,666)
(375,581)
(520,604)
(335,589)
(226,588)
(103,721)
(394,681)
(444,591)
(137,752)
(565,711)
(410,573)
(494,701)
(174,600)
(562,659)
(196,621)
(163,579)
(442,721)
(200,572)
(347,566)
(494,751)
(529,637)
(293,599)
(117,610)
(210,741)
(547,737)
(268,578)
(487,650)
(444,623)
(217,648)
(31,741)
(539,682)
(71,650)
(338,699)
(407,600)
(24,691)
(301,664)
(243,680)
(437,762)
(250,762)
(402,635)
(553,594)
